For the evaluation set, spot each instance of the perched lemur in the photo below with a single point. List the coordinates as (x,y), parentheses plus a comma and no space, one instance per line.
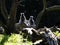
(34,34)
(51,38)
(32,22)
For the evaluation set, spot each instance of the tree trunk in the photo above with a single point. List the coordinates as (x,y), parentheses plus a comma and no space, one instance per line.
(12,19)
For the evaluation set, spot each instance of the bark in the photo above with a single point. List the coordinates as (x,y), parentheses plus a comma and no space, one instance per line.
(12,19)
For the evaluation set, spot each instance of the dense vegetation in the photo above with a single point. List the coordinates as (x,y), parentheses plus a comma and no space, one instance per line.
(21,39)
(14,39)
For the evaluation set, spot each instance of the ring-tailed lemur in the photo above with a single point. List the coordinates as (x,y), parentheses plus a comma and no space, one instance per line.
(51,38)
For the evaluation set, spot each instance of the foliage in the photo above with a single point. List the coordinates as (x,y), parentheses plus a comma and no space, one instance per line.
(18,39)
(14,39)
(57,33)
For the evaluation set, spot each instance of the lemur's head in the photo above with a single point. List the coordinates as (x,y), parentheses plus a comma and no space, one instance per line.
(28,30)
(31,31)
(46,30)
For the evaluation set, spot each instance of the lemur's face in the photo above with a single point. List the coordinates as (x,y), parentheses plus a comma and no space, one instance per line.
(22,18)
(46,30)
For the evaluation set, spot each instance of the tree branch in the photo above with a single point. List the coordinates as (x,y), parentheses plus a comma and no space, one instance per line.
(39,17)
(53,8)
(3,9)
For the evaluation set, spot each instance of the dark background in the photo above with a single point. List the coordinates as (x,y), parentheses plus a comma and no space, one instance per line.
(33,7)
